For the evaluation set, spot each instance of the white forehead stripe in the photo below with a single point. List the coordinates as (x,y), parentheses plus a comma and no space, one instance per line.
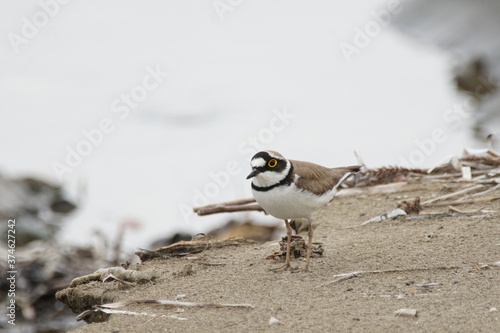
(277,155)
(258,162)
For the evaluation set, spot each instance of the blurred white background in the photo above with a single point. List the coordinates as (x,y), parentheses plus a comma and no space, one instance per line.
(231,65)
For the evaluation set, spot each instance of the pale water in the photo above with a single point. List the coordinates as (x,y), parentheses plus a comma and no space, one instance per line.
(145,109)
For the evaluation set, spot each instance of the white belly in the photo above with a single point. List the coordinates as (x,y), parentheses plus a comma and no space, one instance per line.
(287,202)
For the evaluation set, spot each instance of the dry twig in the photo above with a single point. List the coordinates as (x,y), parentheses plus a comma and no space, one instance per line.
(479,213)
(393,214)
(184,248)
(462,201)
(228,207)
(454,194)
(87,313)
(111,308)
(167,302)
(347,276)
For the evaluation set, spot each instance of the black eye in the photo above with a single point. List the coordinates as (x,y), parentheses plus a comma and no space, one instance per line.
(272,163)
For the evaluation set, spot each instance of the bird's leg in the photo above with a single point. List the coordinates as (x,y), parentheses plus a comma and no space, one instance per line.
(288,246)
(309,244)
(288,242)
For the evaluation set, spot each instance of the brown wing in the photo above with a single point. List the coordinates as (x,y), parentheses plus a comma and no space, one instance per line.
(319,179)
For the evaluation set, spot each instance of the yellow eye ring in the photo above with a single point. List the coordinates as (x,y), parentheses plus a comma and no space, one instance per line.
(272,163)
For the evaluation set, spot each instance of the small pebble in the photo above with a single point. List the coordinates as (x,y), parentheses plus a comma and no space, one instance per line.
(430,284)
(406,312)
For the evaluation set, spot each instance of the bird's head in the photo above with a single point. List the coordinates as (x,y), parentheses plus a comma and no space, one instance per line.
(268,167)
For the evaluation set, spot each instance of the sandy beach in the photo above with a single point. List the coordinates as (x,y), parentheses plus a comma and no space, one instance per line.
(444,269)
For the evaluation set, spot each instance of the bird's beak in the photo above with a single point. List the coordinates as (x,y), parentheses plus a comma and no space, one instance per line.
(253,174)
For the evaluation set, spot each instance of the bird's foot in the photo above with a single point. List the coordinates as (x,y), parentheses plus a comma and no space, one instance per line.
(289,267)
(284,268)
(305,269)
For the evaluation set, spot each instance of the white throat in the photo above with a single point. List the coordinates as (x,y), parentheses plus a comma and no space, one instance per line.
(269,178)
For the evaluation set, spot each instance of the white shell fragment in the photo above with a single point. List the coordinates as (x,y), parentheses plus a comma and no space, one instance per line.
(467,173)
(274,321)
(390,215)
(406,312)
(429,284)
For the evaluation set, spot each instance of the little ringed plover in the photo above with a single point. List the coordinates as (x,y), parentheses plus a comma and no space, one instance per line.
(288,189)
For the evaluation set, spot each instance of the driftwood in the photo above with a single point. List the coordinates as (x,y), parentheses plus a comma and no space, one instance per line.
(167,302)
(229,207)
(126,276)
(184,248)
(112,308)
(87,313)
